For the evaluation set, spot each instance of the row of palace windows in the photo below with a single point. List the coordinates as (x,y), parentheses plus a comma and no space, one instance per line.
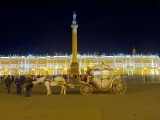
(64,61)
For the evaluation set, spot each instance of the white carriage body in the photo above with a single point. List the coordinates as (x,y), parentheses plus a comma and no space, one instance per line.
(102,76)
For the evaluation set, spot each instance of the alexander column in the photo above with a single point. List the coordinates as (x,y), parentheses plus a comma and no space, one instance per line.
(74,64)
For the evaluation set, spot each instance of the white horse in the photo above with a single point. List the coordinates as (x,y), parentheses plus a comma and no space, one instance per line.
(58,81)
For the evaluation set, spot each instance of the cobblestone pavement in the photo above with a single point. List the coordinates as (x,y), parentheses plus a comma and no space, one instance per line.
(140,102)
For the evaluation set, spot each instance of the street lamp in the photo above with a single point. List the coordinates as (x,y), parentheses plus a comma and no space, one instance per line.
(65,70)
(5,71)
(90,65)
(145,70)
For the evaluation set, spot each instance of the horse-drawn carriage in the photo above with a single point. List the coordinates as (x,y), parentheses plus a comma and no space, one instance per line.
(101,77)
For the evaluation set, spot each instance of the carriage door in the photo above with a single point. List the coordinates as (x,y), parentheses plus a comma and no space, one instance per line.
(106,74)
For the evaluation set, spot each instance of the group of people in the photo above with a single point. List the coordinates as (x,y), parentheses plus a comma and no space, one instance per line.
(19,82)
(26,82)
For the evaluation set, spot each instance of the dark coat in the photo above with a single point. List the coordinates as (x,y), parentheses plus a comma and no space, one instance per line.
(23,78)
(18,81)
(29,83)
(8,81)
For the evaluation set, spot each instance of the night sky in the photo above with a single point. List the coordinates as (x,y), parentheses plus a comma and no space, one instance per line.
(108,26)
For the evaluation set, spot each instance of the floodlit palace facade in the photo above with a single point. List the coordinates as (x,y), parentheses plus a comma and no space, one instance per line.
(135,64)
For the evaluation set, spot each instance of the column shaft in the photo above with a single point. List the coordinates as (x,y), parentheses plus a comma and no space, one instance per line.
(74,43)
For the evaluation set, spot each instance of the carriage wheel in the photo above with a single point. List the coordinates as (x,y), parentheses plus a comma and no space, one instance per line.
(119,86)
(86,89)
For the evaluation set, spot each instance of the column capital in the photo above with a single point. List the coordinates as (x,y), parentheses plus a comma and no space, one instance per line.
(74,26)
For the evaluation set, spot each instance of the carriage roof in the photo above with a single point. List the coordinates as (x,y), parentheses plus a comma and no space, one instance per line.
(101,67)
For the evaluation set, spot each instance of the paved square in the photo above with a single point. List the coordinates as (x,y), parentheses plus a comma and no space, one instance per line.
(140,102)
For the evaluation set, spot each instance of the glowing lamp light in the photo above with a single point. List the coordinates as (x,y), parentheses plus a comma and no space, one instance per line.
(145,68)
(128,56)
(6,69)
(33,69)
(23,57)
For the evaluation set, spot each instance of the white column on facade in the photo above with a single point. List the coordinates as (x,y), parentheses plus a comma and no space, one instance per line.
(142,66)
(114,62)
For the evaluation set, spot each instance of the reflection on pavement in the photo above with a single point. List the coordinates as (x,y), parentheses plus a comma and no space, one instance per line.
(141,79)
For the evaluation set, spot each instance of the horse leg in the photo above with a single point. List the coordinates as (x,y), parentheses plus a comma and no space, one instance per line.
(48,90)
(63,89)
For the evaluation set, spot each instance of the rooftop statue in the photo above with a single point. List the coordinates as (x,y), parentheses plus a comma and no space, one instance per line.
(74,18)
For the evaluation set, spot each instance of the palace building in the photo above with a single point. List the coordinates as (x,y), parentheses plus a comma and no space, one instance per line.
(135,64)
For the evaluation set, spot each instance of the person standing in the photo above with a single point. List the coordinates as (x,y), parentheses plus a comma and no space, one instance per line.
(0,79)
(3,78)
(12,78)
(145,78)
(23,78)
(8,82)
(19,84)
(28,87)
